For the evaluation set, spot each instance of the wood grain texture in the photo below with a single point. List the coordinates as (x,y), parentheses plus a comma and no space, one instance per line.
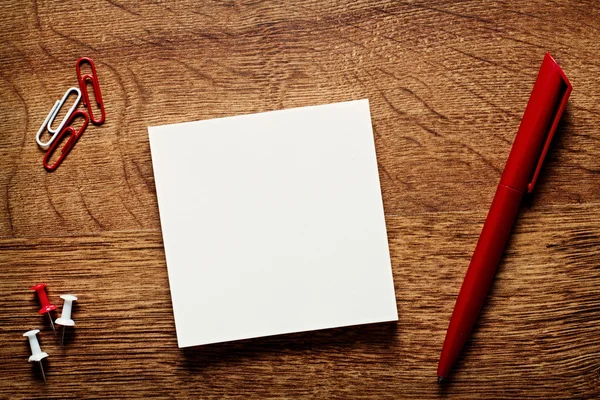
(447,82)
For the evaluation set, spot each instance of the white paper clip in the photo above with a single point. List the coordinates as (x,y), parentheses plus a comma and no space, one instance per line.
(36,352)
(53,113)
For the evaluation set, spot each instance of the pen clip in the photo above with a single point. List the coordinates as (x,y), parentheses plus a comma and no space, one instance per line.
(553,126)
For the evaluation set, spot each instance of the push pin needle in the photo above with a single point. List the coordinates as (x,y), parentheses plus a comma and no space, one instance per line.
(40,288)
(36,352)
(65,317)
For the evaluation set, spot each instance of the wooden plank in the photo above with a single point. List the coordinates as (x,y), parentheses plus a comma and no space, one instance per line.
(537,337)
(447,83)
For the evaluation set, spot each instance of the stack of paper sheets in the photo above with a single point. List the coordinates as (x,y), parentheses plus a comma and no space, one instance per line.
(273,223)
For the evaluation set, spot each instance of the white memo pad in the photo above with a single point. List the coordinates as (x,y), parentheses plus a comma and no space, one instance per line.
(273,223)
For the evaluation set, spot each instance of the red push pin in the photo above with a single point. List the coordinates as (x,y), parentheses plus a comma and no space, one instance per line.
(40,288)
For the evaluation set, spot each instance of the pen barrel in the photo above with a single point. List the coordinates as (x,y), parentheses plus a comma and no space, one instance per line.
(480,273)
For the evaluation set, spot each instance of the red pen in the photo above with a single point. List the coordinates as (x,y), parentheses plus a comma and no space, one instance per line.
(545,107)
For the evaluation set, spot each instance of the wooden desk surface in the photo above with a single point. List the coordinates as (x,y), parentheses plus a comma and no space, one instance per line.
(448,83)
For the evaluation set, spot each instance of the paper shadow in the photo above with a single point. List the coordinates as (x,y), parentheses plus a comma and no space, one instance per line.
(336,340)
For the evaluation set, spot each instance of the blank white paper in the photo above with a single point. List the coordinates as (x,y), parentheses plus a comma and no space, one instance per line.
(273,223)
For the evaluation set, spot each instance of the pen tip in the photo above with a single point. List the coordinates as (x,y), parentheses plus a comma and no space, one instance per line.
(440,379)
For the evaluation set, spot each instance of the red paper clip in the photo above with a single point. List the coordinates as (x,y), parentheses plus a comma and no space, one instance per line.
(73,137)
(93,77)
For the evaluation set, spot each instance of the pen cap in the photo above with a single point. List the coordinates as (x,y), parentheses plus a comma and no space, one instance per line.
(543,111)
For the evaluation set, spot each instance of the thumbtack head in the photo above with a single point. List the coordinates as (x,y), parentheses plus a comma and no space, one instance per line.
(40,288)
(32,332)
(47,308)
(36,352)
(69,297)
(65,317)
(64,322)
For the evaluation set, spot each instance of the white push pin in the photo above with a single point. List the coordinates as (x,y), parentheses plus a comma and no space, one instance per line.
(36,352)
(65,317)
